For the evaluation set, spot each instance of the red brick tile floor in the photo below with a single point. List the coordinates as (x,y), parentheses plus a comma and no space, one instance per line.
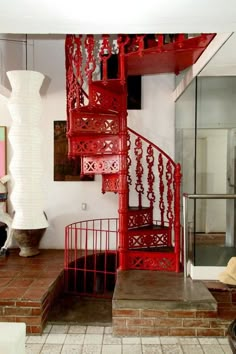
(28,287)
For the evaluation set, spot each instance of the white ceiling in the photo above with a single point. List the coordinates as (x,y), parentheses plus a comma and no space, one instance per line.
(127,16)
(124,16)
(223,62)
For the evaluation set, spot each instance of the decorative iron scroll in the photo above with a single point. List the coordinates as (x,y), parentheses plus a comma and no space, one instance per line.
(154,261)
(94,123)
(149,239)
(105,164)
(138,150)
(169,178)
(151,177)
(82,146)
(161,188)
(90,58)
(104,55)
(110,183)
(129,179)
(139,217)
(100,96)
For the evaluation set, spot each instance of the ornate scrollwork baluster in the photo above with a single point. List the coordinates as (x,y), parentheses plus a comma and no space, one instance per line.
(151,177)
(78,62)
(161,188)
(169,178)
(104,55)
(138,150)
(90,58)
(129,179)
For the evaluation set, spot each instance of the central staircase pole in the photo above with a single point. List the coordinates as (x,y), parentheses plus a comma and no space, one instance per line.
(123,187)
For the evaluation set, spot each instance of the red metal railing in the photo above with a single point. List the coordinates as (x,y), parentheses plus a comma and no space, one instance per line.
(91,257)
(154,181)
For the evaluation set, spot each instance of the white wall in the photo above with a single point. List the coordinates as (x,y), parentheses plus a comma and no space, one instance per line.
(156,119)
(213,177)
(63,199)
(12,57)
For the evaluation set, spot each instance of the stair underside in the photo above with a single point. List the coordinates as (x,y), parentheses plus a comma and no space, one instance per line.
(171,58)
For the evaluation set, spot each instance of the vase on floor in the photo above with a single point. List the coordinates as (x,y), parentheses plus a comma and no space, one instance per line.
(26,166)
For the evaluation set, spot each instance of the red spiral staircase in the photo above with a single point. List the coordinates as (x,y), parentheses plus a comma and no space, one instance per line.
(146,179)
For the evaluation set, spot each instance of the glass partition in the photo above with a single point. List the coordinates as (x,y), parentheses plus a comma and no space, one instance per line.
(206,148)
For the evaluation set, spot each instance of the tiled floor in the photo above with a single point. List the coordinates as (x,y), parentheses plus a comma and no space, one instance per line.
(66,339)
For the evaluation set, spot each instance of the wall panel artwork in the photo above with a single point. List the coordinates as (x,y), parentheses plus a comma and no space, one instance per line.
(3,152)
(65,169)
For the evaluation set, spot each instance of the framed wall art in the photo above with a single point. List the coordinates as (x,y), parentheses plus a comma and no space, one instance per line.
(65,169)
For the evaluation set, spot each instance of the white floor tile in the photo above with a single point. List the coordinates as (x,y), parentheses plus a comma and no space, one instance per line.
(132,349)
(92,349)
(74,339)
(226,349)
(150,340)
(151,349)
(33,348)
(95,330)
(108,330)
(109,339)
(93,339)
(47,328)
(61,329)
(169,340)
(212,349)
(192,349)
(51,349)
(71,349)
(223,340)
(77,329)
(111,349)
(188,340)
(131,340)
(37,339)
(55,338)
(172,349)
(207,340)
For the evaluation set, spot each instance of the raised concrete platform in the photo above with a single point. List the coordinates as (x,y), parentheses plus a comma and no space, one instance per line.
(147,303)
(165,291)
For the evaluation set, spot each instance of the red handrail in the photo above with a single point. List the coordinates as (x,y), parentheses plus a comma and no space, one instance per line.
(154,145)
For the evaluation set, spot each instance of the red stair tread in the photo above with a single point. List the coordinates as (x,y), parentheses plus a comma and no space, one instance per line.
(149,227)
(93,110)
(135,208)
(164,249)
(112,85)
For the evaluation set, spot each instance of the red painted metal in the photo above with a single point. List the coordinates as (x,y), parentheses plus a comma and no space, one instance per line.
(122,41)
(93,145)
(90,122)
(161,187)
(98,133)
(123,186)
(102,165)
(90,59)
(164,234)
(177,225)
(175,56)
(110,183)
(139,217)
(91,257)
(104,54)
(170,192)
(140,260)
(151,177)
(138,150)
